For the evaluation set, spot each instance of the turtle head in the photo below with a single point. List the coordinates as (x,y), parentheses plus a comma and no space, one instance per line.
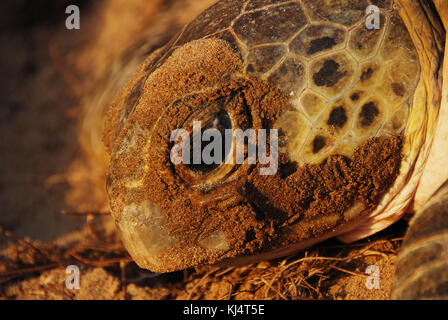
(251,137)
(189,155)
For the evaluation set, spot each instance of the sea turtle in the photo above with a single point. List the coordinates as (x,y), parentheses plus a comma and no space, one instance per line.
(353,107)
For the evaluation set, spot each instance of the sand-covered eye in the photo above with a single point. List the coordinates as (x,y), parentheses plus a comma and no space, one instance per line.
(202,150)
(214,149)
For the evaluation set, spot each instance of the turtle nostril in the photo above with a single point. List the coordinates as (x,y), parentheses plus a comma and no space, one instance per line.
(214,148)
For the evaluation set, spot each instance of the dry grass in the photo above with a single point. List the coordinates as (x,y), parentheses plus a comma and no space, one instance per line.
(318,273)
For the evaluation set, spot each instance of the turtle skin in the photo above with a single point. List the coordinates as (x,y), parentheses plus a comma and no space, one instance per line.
(422,266)
(309,69)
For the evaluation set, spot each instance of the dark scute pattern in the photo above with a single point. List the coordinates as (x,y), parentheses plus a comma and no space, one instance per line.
(398,89)
(317,38)
(338,117)
(274,25)
(318,143)
(321,44)
(368,114)
(355,96)
(367,74)
(329,74)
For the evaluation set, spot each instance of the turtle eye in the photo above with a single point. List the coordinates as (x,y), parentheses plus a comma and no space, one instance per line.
(209,147)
